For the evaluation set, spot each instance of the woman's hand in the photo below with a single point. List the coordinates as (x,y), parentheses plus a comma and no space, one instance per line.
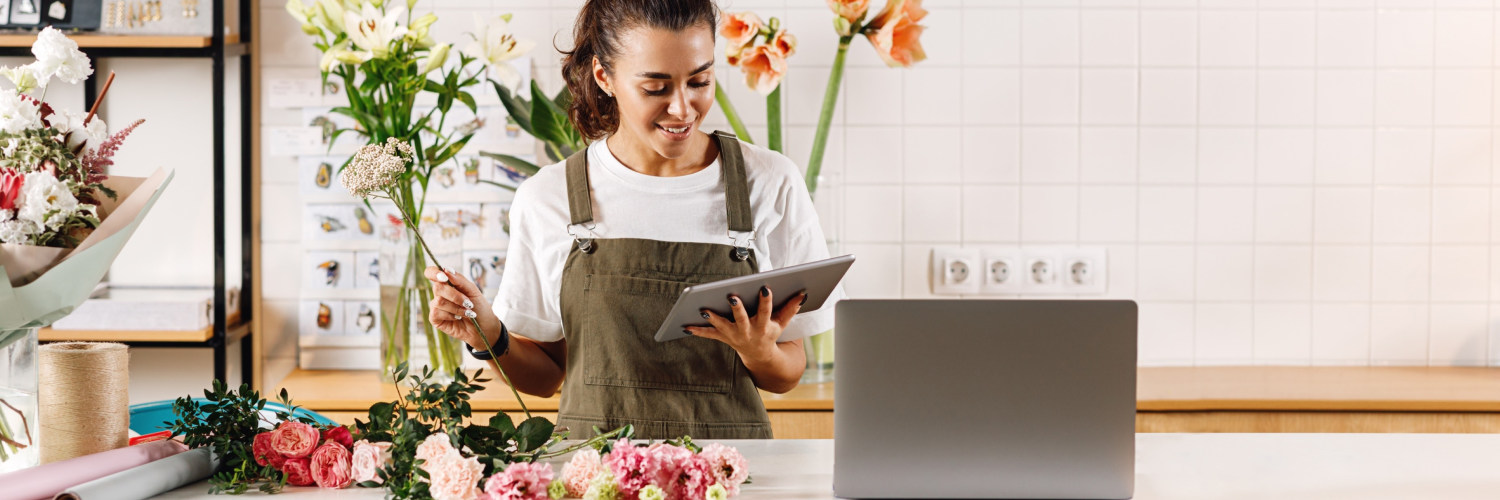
(753,337)
(455,300)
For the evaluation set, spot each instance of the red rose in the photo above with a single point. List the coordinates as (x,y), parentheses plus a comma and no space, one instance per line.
(294,439)
(331,466)
(339,435)
(298,472)
(261,448)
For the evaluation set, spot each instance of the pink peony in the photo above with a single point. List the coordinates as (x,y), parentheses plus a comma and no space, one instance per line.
(339,435)
(10,188)
(298,472)
(294,439)
(580,471)
(264,455)
(434,447)
(520,481)
(454,477)
(330,466)
(738,30)
(368,459)
(632,466)
(896,34)
(730,469)
(764,67)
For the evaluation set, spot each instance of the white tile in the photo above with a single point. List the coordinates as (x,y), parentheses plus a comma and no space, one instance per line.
(1459,335)
(1049,96)
(872,214)
(1224,334)
(1049,36)
(1168,97)
(1460,215)
(933,155)
(991,214)
(1285,97)
(1345,156)
(1403,37)
(1342,214)
(991,36)
(1398,334)
(1460,274)
(1108,154)
(992,96)
(1166,334)
(1109,37)
(1462,97)
(1341,273)
(1344,38)
(1228,38)
(992,154)
(816,43)
(1224,272)
(1106,214)
(1226,155)
(1049,214)
(1228,97)
(1464,38)
(873,155)
(876,273)
(1226,214)
(1168,155)
(1167,214)
(1402,215)
(1403,97)
(1284,156)
(932,214)
(1169,38)
(1049,154)
(281,271)
(1341,334)
(1461,156)
(868,86)
(282,211)
(1283,215)
(1283,272)
(1286,38)
(1121,272)
(1283,334)
(1400,273)
(1346,97)
(1109,96)
(916,272)
(1495,273)
(804,89)
(1165,272)
(1403,156)
(930,99)
(944,47)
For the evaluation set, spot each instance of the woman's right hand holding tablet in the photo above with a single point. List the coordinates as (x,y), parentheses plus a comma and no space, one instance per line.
(455,300)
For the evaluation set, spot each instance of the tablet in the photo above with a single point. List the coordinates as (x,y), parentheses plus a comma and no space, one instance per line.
(817,278)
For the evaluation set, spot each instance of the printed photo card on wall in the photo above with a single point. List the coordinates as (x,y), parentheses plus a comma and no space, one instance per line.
(366,270)
(328,270)
(361,317)
(322,317)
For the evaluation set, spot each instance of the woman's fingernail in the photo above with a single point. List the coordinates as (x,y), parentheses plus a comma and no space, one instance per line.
(468,304)
(442,277)
(765,292)
(804,299)
(705,315)
(470,314)
(457,317)
(687,331)
(734,301)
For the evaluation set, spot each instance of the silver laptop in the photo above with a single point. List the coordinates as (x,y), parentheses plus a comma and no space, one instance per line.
(985,399)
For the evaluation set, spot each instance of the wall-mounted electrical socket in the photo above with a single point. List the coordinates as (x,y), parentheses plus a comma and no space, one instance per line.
(1019,271)
(1043,270)
(956,271)
(1003,272)
(1087,269)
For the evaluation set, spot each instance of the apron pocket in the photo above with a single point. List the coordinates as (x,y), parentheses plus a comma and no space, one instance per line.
(623,315)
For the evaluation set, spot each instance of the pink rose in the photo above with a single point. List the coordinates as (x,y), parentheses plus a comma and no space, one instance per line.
(764,66)
(730,469)
(10,188)
(632,466)
(738,30)
(853,10)
(434,447)
(580,471)
(519,481)
(298,472)
(294,439)
(339,435)
(264,455)
(454,477)
(330,466)
(896,35)
(368,459)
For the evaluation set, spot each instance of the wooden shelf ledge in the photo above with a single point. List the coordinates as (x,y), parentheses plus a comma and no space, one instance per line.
(235,332)
(124,41)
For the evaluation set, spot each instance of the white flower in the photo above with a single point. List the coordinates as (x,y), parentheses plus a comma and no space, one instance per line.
(71,124)
(435,58)
(24,78)
(18,114)
(330,15)
(496,45)
(17,232)
(58,56)
(5,215)
(44,195)
(371,31)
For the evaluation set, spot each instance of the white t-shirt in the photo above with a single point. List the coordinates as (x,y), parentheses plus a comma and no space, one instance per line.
(629,204)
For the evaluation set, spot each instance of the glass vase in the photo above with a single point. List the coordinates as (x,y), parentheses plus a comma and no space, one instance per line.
(18,403)
(829,203)
(405,298)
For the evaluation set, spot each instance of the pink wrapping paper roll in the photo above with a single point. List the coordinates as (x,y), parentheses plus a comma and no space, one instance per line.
(45,481)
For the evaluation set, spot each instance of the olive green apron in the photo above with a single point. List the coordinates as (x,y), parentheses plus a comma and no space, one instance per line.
(615,295)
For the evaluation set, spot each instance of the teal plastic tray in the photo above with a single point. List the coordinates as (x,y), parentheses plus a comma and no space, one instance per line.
(146,418)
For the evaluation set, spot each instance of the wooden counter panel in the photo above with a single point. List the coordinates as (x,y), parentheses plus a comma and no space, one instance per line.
(1318,422)
(1283,388)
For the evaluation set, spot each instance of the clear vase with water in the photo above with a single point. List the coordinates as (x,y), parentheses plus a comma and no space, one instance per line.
(829,203)
(18,403)
(405,297)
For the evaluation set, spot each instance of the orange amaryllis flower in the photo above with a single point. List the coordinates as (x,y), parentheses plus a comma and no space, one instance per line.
(738,30)
(895,33)
(764,67)
(853,10)
(784,42)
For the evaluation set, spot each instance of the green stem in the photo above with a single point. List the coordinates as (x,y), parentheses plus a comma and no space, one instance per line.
(825,119)
(773,121)
(731,114)
(590,442)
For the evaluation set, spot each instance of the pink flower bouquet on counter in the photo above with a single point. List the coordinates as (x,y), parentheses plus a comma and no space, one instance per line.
(671,470)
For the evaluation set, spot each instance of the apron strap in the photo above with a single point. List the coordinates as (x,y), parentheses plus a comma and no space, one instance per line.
(580,206)
(736,183)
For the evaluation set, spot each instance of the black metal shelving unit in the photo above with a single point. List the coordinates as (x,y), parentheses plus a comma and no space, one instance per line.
(220,53)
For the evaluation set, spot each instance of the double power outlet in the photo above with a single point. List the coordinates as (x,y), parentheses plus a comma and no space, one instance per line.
(1019,271)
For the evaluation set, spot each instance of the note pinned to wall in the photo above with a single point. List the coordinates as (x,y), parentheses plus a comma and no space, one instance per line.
(293,92)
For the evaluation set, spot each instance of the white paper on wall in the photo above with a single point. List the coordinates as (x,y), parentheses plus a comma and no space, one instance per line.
(328,270)
(320,174)
(322,317)
(362,318)
(366,270)
(496,221)
(293,141)
(293,92)
(484,268)
(326,123)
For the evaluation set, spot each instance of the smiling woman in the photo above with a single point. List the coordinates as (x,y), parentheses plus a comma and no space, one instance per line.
(602,244)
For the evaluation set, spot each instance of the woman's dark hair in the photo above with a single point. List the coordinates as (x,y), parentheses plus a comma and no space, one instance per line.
(597,33)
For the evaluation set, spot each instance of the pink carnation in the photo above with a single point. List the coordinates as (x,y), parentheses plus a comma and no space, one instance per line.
(519,481)
(632,466)
(298,472)
(580,471)
(294,439)
(367,460)
(684,475)
(330,466)
(264,455)
(454,477)
(730,469)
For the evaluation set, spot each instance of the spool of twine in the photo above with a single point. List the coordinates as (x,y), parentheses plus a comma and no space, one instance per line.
(84,401)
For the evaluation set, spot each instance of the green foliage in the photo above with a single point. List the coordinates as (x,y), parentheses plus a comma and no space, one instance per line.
(543,118)
(228,422)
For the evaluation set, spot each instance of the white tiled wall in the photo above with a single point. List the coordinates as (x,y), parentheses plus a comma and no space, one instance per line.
(1279,182)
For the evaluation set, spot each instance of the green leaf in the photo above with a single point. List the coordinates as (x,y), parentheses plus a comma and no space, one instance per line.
(564,98)
(524,167)
(518,108)
(468,100)
(532,434)
(502,422)
(546,120)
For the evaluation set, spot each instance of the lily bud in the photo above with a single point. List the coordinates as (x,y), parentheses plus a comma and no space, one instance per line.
(842,26)
(436,57)
(411,4)
(376,3)
(309,29)
(421,23)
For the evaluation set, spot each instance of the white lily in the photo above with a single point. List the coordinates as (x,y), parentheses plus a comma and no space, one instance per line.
(330,14)
(374,32)
(24,78)
(435,58)
(497,46)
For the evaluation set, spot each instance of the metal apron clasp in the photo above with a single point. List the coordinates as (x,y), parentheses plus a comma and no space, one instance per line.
(741,250)
(585,244)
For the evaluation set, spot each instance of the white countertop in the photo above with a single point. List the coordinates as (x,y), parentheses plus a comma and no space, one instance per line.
(1174,466)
